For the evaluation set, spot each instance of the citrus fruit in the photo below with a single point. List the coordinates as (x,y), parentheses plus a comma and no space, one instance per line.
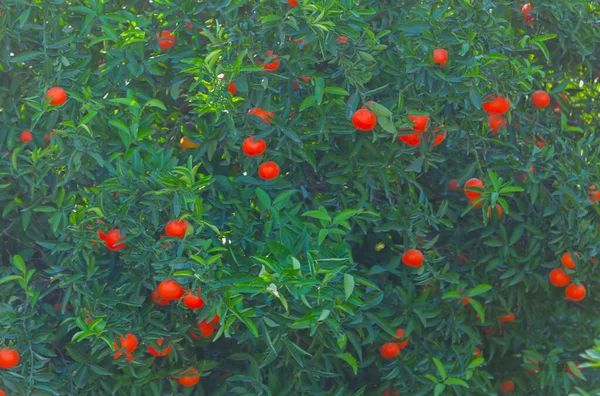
(111,238)
(412,258)
(476,183)
(452,185)
(176,228)
(507,386)
(159,352)
(509,317)
(496,122)
(400,336)
(26,136)
(499,210)
(265,115)
(9,358)
(166,40)
(252,147)
(496,105)
(477,352)
(567,260)
(293,3)
(575,292)
(342,40)
(189,378)
(232,88)
(540,99)
(57,96)
(364,120)
(559,278)
(193,301)
(158,300)
(414,139)
(272,66)
(389,350)
(186,143)
(440,56)
(268,170)
(420,122)
(170,290)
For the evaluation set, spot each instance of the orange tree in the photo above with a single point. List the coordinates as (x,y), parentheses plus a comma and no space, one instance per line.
(391,226)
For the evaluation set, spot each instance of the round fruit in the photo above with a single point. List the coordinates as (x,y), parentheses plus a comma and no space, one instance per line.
(453,185)
(567,260)
(193,301)
(364,120)
(189,379)
(399,336)
(158,300)
(509,317)
(265,115)
(540,99)
(477,205)
(166,40)
(594,194)
(499,210)
(525,11)
(170,290)
(159,353)
(474,182)
(129,343)
(9,358)
(575,292)
(477,352)
(412,258)
(186,143)
(57,96)
(440,56)
(111,238)
(268,170)
(232,88)
(440,136)
(342,40)
(26,136)
(2,393)
(507,386)
(536,362)
(389,350)
(207,329)
(496,105)
(414,139)
(253,148)
(419,122)
(496,122)
(273,65)
(293,3)
(559,278)
(176,228)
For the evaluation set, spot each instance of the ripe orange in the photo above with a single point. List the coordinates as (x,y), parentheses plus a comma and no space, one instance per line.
(170,290)
(342,40)
(206,329)
(474,182)
(477,205)
(9,358)
(496,122)
(305,78)
(413,139)
(293,3)
(534,361)
(559,278)
(509,317)
(128,344)
(389,391)
(466,300)
(176,228)
(158,300)
(507,386)
(111,238)
(189,378)
(399,336)
(232,88)
(440,136)
(268,170)
(159,353)
(440,56)
(420,123)
(166,40)
(48,137)
(499,210)
(57,96)
(364,120)
(296,85)
(461,259)
(2,393)
(567,260)
(477,352)
(452,185)
(540,99)
(26,136)
(413,258)
(389,350)
(193,300)
(525,11)
(575,292)
(272,66)
(594,194)
(186,143)
(496,105)
(253,148)
(265,115)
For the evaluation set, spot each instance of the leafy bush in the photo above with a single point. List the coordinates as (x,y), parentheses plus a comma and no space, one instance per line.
(302,275)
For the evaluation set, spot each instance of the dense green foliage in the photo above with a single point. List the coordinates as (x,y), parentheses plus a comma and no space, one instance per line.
(304,270)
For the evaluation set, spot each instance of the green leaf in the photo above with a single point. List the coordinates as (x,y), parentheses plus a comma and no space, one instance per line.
(478,308)
(19,263)
(155,103)
(309,101)
(11,278)
(264,198)
(350,360)
(476,362)
(456,381)
(348,285)
(336,91)
(317,214)
(479,289)
(25,56)
(440,368)
(439,389)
